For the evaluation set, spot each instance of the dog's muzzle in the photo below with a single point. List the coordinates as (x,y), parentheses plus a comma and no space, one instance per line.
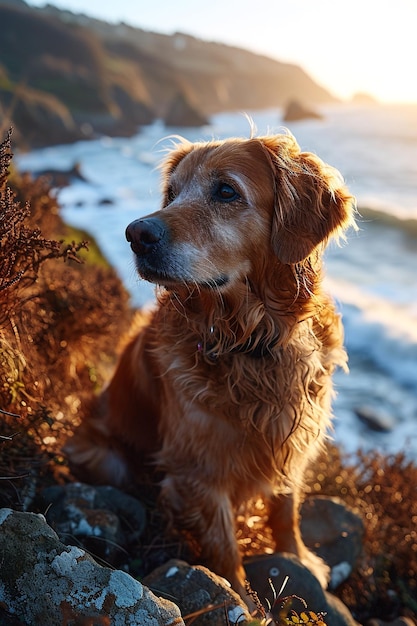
(160,261)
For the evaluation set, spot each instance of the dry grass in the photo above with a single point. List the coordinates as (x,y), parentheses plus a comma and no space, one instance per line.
(58,320)
(384,491)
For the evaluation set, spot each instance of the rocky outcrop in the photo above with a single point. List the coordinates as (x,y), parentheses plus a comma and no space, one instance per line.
(102,520)
(362,98)
(295,112)
(61,178)
(182,114)
(42,581)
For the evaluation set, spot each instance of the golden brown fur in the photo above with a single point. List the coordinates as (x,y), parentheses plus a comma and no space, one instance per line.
(228,385)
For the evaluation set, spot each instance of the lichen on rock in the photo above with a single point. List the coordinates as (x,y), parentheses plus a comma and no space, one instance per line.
(42,581)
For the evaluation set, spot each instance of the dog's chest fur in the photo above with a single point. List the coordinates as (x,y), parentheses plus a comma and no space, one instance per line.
(244,406)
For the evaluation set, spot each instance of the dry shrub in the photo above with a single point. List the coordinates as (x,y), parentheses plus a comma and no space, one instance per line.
(60,320)
(23,248)
(384,491)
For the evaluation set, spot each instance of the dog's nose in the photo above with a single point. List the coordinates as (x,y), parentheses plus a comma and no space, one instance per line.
(144,235)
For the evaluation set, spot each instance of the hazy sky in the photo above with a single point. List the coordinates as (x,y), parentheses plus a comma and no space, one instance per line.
(347,46)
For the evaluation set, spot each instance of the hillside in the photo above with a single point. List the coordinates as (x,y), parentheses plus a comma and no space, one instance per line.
(65,76)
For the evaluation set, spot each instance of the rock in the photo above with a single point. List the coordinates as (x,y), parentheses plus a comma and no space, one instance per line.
(339,573)
(182,113)
(61,178)
(105,202)
(334,532)
(267,574)
(195,590)
(375,419)
(135,111)
(42,581)
(104,520)
(363,98)
(295,112)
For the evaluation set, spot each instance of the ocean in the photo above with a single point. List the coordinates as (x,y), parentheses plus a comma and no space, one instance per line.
(373,276)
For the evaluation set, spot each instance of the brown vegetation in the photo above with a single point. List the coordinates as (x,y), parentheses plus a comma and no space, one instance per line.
(384,491)
(60,322)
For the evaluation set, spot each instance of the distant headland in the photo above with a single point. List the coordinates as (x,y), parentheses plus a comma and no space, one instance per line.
(65,76)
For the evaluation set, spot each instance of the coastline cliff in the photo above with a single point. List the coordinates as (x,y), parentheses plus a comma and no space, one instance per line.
(65,76)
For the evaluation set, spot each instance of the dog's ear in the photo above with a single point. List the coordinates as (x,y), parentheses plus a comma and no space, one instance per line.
(311,202)
(179,150)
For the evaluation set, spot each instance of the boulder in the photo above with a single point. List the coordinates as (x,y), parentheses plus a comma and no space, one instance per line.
(278,576)
(103,519)
(199,592)
(42,581)
(334,531)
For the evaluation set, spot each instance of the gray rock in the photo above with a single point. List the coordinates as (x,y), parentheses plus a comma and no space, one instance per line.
(267,575)
(43,581)
(103,519)
(334,532)
(198,591)
(375,419)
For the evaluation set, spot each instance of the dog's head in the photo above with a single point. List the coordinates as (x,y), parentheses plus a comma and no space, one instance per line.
(227,205)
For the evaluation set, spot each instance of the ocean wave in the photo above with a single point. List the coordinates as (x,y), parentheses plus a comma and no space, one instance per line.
(383,331)
(399,320)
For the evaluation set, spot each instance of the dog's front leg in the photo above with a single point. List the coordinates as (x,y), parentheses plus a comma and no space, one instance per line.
(206,514)
(284,520)
(285,524)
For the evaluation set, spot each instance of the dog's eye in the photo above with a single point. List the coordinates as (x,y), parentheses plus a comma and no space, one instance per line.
(225,193)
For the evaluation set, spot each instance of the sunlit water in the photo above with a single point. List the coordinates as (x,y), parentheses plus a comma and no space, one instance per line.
(373,277)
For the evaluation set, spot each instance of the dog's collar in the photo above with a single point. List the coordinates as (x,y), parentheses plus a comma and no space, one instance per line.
(258,351)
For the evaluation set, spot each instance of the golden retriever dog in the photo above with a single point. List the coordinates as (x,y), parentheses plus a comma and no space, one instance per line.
(227,387)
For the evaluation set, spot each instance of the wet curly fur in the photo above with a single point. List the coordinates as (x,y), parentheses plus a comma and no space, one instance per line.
(227,386)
